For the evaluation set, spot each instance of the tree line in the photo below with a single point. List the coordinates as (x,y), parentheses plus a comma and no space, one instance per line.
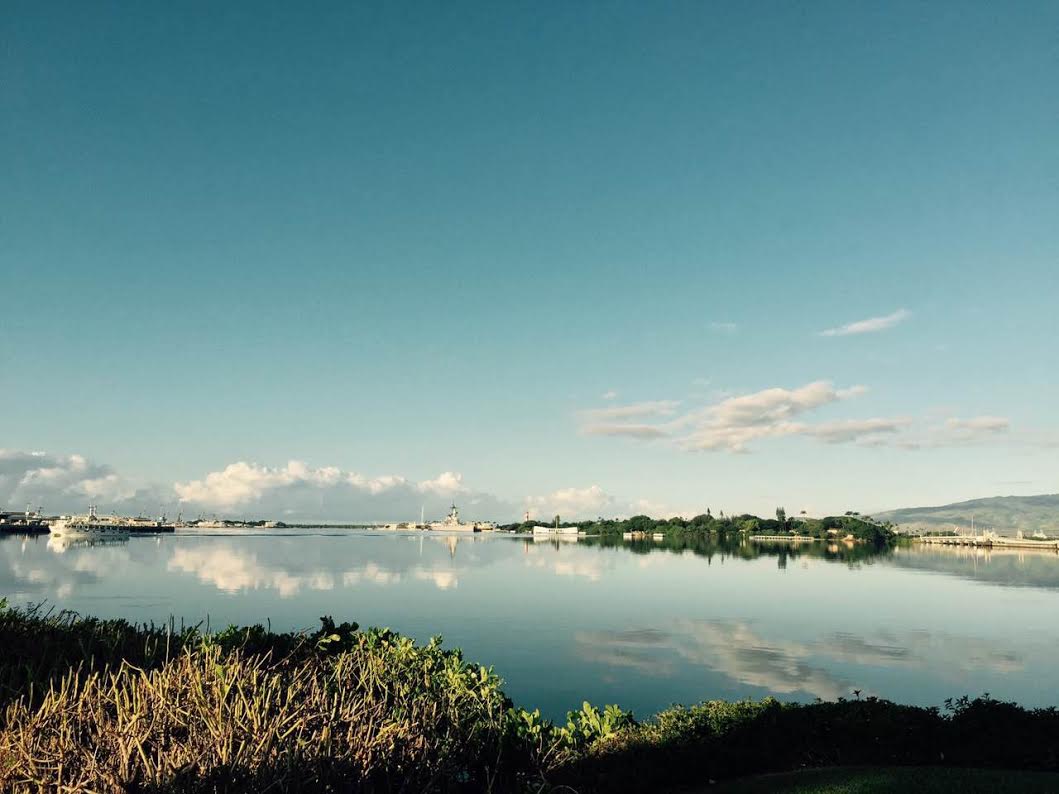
(852,524)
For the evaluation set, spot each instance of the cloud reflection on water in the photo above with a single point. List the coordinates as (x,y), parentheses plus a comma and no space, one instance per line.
(823,668)
(234,570)
(25,570)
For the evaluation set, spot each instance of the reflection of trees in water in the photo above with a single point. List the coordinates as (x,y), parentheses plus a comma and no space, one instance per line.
(740,547)
(1007,567)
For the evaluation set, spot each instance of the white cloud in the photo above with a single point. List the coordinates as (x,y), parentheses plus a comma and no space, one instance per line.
(734,422)
(300,490)
(610,395)
(769,406)
(58,482)
(293,492)
(447,483)
(859,430)
(654,509)
(571,503)
(239,483)
(957,432)
(630,430)
(724,328)
(871,325)
(577,504)
(631,411)
(979,424)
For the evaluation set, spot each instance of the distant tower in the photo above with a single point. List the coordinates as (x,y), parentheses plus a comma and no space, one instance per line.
(527,516)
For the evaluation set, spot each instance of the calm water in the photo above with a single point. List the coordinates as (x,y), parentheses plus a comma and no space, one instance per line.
(640,625)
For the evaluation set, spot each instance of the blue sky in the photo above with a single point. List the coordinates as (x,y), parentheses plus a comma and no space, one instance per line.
(401,240)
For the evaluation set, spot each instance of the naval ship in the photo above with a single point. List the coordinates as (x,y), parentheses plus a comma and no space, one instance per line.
(95,525)
(27,523)
(452,523)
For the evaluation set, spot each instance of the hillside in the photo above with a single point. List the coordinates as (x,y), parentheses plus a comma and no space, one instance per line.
(1005,514)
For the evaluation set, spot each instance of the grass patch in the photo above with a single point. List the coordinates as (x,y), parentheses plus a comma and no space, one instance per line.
(90,705)
(247,710)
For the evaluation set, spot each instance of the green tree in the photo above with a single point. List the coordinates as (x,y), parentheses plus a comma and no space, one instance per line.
(640,523)
(781,516)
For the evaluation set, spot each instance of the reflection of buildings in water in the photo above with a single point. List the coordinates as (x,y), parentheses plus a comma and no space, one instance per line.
(452,541)
(989,552)
(61,543)
(448,541)
(555,540)
(1004,567)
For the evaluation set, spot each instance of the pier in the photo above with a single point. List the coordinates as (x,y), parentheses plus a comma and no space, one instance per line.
(989,540)
(785,538)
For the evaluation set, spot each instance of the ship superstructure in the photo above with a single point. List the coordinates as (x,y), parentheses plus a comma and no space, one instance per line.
(93,524)
(453,523)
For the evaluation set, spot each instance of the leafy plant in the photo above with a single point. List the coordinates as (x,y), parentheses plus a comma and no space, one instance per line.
(590,725)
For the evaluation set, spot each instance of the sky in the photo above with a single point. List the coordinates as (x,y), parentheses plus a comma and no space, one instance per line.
(350,260)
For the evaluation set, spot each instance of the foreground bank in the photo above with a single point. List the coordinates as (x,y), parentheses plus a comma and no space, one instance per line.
(104,705)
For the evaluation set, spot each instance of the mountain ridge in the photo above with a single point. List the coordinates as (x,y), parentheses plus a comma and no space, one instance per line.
(1005,514)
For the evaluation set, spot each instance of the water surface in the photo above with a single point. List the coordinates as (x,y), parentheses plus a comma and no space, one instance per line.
(644,625)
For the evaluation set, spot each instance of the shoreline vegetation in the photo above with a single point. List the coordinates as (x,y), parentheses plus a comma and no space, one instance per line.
(105,705)
(851,528)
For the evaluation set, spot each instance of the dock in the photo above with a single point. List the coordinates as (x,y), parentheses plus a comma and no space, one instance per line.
(988,541)
(787,538)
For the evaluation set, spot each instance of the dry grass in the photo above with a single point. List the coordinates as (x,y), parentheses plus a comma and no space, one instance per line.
(359,711)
